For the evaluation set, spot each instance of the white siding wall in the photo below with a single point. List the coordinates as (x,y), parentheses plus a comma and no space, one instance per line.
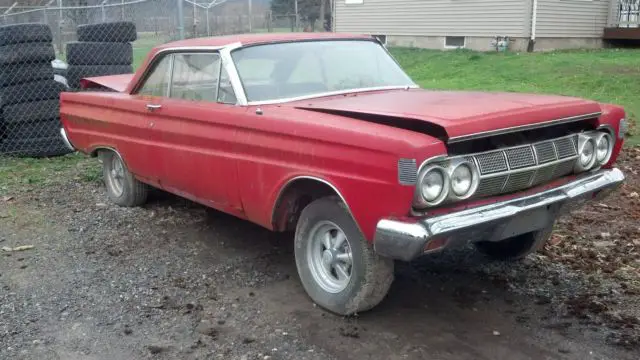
(483,18)
(572,18)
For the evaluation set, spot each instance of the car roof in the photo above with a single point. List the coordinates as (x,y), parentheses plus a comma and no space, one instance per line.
(252,39)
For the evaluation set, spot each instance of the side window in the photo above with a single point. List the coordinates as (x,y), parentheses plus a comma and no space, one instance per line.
(195,77)
(226,94)
(157,83)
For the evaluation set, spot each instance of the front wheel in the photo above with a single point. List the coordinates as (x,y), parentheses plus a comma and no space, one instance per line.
(336,264)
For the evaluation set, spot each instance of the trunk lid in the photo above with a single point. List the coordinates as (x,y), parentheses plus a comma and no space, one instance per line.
(117,83)
(459,114)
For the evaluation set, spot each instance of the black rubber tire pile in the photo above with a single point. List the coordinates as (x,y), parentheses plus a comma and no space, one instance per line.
(29,96)
(101,49)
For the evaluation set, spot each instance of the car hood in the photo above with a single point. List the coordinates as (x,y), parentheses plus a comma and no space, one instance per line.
(455,114)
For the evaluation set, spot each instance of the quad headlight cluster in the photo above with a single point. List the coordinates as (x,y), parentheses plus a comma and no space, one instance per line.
(455,179)
(594,150)
(458,178)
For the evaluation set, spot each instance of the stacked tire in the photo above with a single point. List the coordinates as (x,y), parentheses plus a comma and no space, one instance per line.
(101,49)
(29,95)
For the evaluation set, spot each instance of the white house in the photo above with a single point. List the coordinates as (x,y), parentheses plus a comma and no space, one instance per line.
(476,24)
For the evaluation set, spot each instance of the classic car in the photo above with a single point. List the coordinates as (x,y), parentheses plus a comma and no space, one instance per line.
(324,135)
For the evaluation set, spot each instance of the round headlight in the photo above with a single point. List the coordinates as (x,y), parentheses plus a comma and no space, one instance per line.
(461,180)
(603,148)
(432,184)
(587,153)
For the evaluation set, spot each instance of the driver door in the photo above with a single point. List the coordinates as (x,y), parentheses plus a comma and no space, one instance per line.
(192,131)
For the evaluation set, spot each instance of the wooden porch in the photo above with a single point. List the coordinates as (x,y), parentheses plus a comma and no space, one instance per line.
(624,23)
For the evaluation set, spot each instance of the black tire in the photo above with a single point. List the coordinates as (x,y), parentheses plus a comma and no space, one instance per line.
(371,275)
(75,73)
(134,192)
(29,92)
(517,247)
(122,31)
(34,147)
(22,73)
(31,111)
(27,53)
(24,33)
(99,53)
(46,128)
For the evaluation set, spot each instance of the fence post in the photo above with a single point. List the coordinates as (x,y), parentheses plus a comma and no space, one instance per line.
(60,19)
(297,17)
(208,26)
(180,19)
(104,16)
(250,16)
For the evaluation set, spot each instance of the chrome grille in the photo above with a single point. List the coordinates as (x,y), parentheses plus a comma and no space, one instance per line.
(519,181)
(564,168)
(407,171)
(491,162)
(566,147)
(520,157)
(491,186)
(518,168)
(545,152)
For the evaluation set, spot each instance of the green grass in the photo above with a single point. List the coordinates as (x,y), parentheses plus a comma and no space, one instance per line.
(608,75)
(23,174)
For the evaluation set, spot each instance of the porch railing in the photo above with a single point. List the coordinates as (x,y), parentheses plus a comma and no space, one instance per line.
(626,14)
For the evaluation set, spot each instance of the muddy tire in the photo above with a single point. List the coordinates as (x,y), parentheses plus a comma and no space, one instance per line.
(35,147)
(120,31)
(25,33)
(517,247)
(123,188)
(30,92)
(23,73)
(27,53)
(31,111)
(336,264)
(99,53)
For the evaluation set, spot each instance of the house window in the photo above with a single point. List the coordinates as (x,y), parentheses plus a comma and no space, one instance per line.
(350,2)
(454,42)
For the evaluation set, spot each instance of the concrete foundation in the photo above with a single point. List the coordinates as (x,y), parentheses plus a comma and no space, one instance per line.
(478,43)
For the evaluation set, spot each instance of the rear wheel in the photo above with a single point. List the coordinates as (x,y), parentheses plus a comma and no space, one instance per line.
(517,247)
(337,266)
(122,187)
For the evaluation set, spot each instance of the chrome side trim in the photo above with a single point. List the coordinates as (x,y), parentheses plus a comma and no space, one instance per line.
(65,139)
(407,239)
(331,93)
(484,134)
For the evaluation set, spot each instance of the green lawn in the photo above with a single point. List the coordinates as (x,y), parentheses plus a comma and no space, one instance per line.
(607,75)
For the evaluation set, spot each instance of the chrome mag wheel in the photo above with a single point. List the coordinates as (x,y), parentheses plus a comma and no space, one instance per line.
(329,257)
(115,176)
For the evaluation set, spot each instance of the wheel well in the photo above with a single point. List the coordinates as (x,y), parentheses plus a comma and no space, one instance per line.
(294,198)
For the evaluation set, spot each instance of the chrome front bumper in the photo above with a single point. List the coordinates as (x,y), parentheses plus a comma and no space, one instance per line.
(406,240)
(63,133)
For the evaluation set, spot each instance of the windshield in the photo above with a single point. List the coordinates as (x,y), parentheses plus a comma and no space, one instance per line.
(280,71)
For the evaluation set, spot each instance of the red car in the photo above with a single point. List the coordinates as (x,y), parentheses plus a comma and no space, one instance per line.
(325,135)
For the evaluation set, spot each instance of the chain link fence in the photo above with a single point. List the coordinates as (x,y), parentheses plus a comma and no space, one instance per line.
(48,47)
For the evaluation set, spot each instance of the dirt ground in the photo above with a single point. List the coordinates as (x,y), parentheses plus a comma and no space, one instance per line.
(174,280)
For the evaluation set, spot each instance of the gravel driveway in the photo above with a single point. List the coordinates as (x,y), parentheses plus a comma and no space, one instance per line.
(174,280)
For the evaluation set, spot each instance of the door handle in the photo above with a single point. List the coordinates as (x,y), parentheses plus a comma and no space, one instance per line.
(152,107)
